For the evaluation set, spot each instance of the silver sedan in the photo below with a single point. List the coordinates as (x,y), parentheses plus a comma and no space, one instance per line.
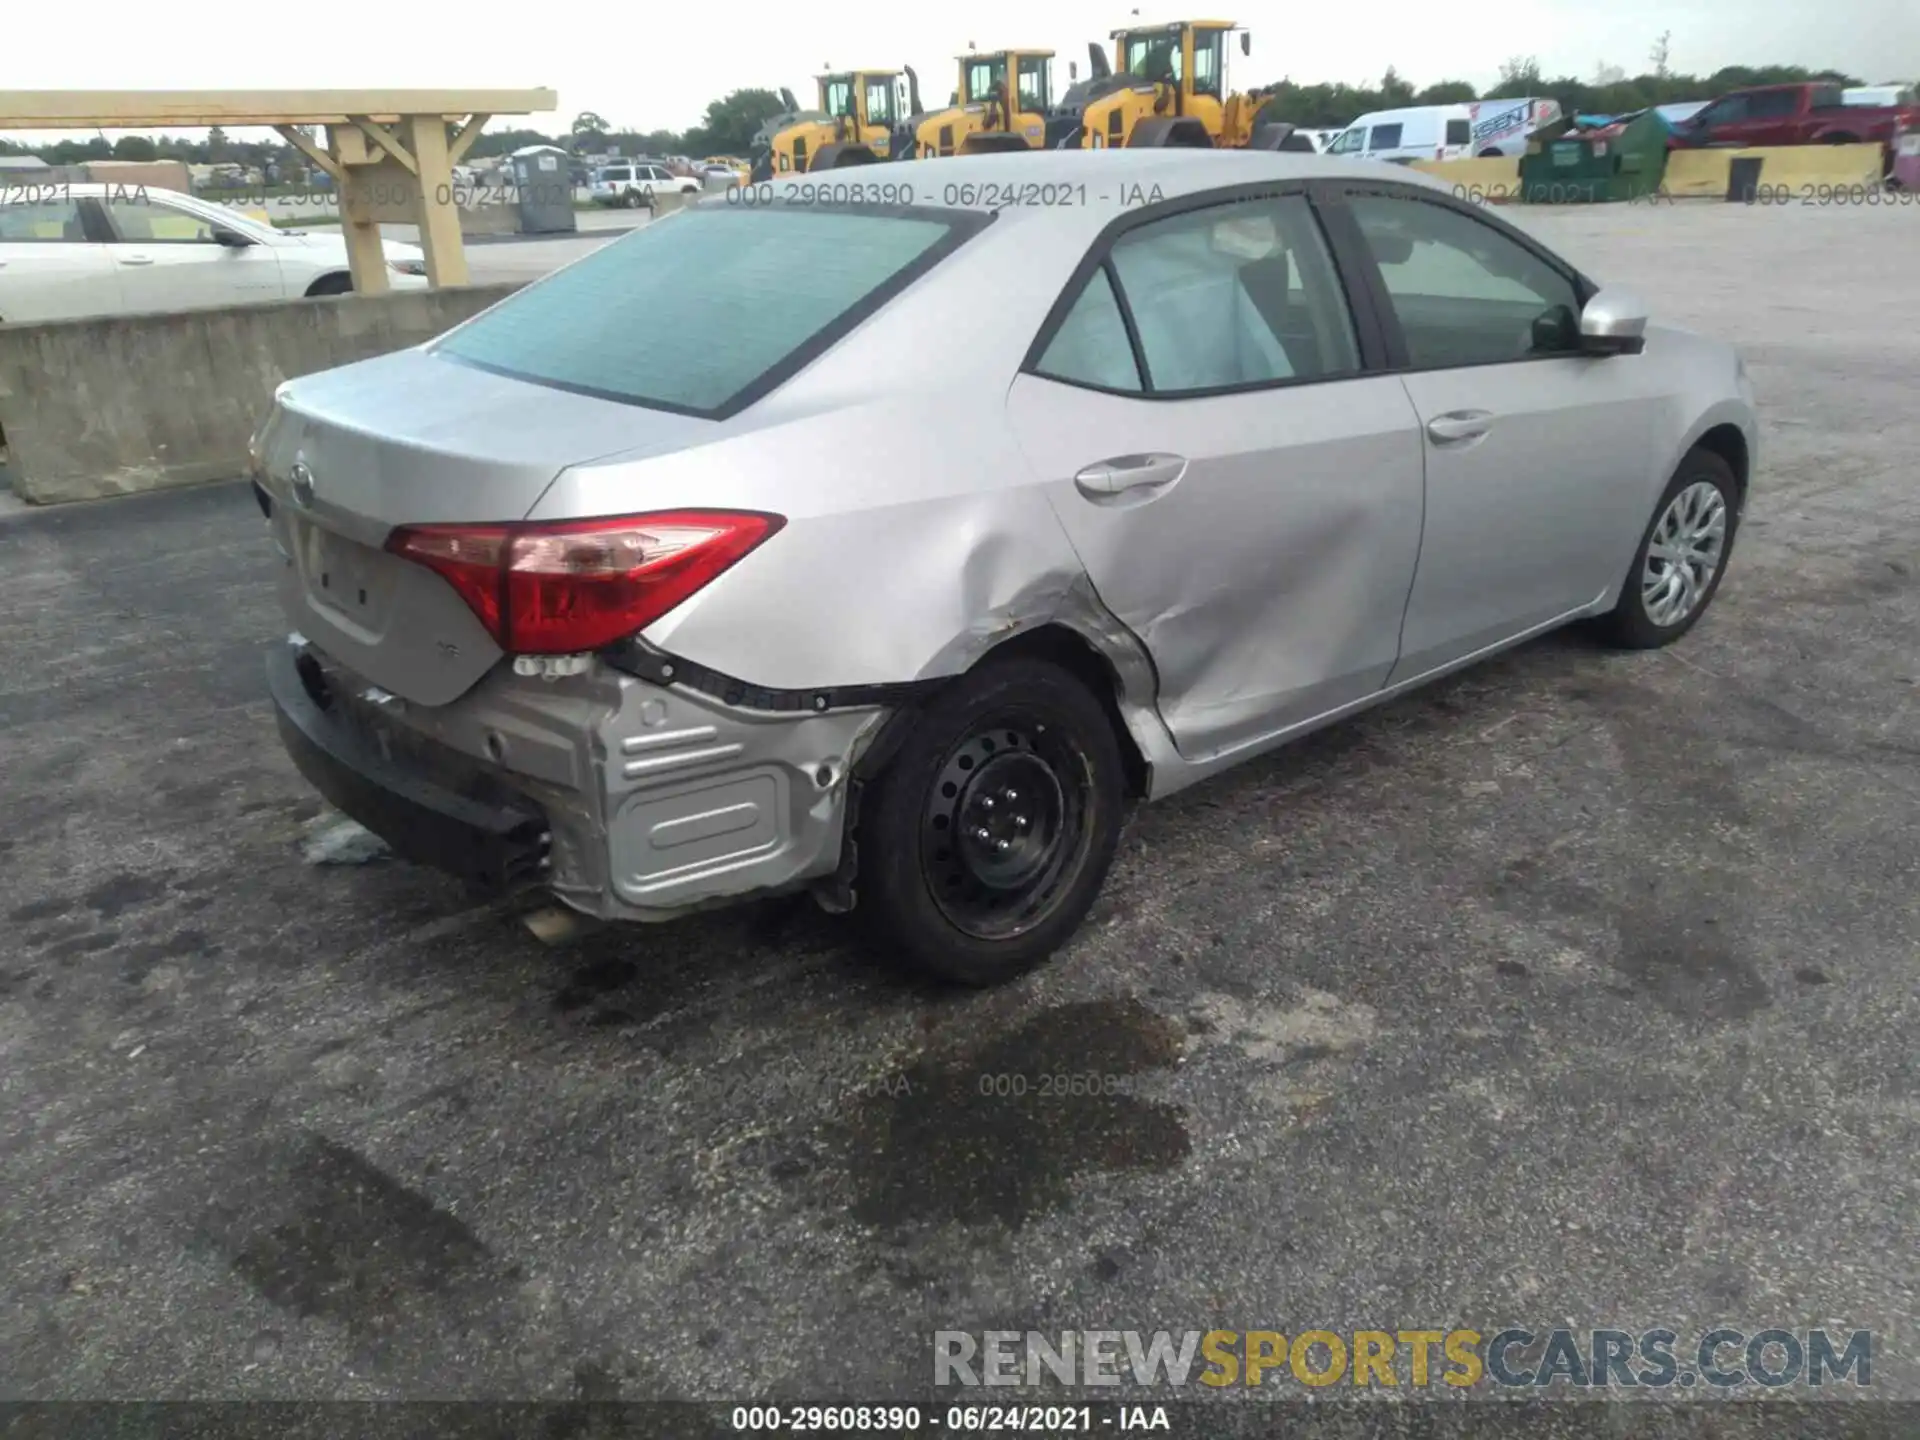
(884,537)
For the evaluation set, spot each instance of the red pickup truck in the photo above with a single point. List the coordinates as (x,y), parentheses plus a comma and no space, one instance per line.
(1807,114)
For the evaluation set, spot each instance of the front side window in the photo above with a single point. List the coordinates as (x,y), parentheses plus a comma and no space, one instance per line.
(1385,137)
(1464,293)
(839,97)
(52,221)
(1730,111)
(694,312)
(1154,57)
(1235,295)
(984,79)
(1349,142)
(1035,91)
(880,101)
(1208,48)
(137,221)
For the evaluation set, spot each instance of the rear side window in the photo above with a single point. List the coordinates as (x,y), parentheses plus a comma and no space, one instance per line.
(1235,295)
(1459,132)
(1091,345)
(1385,137)
(709,309)
(50,220)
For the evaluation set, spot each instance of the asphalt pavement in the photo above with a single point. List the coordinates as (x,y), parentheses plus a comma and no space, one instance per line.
(1574,991)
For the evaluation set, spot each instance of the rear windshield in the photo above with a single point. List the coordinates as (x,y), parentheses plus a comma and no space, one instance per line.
(709,309)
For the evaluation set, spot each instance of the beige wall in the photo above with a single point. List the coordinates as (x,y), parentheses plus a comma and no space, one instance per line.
(120,404)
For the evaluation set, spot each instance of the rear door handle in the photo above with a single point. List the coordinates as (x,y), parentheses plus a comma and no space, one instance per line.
(136,259)
(1457,425)
(1129,472)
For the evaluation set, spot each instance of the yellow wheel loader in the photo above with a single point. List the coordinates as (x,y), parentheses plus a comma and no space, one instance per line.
(864,115)
(1169,87)
(1004,102)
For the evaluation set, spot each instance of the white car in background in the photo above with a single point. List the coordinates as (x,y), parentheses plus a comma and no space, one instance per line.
(68,251)
(635,183)
(1420,132)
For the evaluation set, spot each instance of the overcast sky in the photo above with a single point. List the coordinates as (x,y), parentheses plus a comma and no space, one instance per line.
(648,66)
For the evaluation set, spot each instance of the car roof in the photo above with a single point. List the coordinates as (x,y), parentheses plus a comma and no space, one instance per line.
(1404,111)
(1003,181)
(121,187)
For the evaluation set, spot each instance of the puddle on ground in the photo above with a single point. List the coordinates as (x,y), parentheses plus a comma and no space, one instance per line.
(334,1236)
(999,1133)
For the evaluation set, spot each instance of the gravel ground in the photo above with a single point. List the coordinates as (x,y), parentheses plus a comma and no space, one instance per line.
(1574,991)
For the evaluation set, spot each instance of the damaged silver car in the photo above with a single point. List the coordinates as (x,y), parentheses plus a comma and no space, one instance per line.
(884,541)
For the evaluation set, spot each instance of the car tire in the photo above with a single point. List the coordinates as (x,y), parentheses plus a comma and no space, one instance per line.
(330,285)
(1703,494)
(1018,751)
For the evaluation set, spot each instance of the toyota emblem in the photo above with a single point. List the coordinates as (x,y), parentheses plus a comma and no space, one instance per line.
(301,479)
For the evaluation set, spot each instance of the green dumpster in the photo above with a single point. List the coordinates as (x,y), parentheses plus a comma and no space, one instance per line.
(1571,163)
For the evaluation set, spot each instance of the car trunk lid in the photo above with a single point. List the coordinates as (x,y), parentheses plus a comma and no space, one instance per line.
(412,438)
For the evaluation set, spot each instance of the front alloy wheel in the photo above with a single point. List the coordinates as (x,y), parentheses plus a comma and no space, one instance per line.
(1684,553)
(1682,556)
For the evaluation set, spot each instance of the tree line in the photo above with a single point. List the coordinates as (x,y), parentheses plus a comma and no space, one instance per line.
(1609,92)
(730,122)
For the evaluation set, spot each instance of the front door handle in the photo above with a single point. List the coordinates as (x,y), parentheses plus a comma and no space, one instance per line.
(1129,472)
(136,259)
(1457,425)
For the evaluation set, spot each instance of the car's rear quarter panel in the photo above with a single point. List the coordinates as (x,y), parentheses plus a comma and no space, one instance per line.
(916,531)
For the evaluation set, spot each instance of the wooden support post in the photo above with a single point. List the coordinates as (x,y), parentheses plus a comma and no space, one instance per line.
(463,141)
(364,254)
(439,214)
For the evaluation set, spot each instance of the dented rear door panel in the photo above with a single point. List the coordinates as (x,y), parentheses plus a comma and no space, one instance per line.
(1269,581)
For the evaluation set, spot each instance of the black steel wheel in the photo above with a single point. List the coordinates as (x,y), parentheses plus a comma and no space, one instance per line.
(988,835)
(1001,820)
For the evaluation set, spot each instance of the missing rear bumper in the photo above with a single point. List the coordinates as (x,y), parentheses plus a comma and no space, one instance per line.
(495,844)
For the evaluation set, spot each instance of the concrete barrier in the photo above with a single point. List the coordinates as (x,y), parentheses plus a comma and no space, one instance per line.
(125,403)
(478,220)
(1697,174)
(1708,174)
(1493,179)
(1823,167)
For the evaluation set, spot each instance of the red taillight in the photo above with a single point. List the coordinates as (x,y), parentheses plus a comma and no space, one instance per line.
(557,589)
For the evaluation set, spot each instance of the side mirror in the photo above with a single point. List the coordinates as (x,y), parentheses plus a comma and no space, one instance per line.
(232,239)
(1614,322)
(1246,42)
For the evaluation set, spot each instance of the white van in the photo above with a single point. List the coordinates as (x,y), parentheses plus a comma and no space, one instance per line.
(1502,127)
(1425,132)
